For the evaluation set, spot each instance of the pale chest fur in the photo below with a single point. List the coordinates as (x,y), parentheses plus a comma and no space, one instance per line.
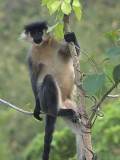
(52,63)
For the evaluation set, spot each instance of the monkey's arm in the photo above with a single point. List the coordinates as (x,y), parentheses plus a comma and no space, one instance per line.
(71,37)
(33,79)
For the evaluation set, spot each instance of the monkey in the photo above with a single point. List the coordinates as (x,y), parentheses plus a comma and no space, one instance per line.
(52,77)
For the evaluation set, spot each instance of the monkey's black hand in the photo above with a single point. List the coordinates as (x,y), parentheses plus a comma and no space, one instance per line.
(70,37)
(37,116)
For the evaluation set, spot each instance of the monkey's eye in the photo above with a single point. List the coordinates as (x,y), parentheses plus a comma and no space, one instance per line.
(40,32)
(33,33)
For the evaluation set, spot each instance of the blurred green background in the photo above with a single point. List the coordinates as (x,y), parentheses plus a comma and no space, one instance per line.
(21,137)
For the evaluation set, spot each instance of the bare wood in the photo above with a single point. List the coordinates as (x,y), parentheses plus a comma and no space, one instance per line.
(81,98)
(113,96)
(16,108)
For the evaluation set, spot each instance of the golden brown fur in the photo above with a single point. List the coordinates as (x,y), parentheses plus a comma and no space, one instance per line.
(53,57)
(50,58)
(54,64)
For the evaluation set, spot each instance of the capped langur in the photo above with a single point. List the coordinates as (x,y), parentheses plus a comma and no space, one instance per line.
(52,78)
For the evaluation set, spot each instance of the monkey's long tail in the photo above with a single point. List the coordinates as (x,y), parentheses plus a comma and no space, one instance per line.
(49,129)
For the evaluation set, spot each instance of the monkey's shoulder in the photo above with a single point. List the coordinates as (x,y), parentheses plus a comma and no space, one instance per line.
(49,51)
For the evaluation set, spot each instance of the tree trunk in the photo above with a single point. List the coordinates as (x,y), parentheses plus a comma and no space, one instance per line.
(86,144)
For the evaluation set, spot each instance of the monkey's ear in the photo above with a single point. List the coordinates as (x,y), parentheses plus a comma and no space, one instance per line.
(26,37)
(23,36)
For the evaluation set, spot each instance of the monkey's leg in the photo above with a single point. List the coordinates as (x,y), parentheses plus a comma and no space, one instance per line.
(37,110)
(70,113)
(69,110)
(48,97)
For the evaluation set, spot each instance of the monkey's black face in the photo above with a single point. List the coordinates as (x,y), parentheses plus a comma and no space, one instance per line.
(35,29)
(37,35)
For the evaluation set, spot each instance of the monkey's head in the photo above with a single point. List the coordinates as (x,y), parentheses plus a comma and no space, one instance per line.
(34,32)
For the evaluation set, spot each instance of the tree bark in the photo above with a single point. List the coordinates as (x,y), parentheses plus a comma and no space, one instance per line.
(86,145)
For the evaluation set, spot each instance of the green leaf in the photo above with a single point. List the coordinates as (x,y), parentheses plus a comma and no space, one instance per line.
(77,3)
(114,34)
(55,6)
(60,15)
(51,28)
(109,70)
(93,83)
(49,5)
(44,2)
(112,53)
(118,40)
(101,92)
(108,34)
(104,60)
(116,74)
(27,105)
(91,58)
(35,119)
(59,31)
(66,8)
(67,1)
(78,12)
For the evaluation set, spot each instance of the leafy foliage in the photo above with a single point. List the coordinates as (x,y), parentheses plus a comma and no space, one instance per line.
(51,28)
(78,12)
(116,74)
(106,143)
(62,7)
(96,84)
(109,70)
(59,31)
(66,8)
(59,15)
(55,6)
(114,34)
(93,83)
(103,144)
(112,53)
(61,144)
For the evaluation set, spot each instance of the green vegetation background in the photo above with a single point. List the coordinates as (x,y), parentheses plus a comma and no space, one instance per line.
(19,133)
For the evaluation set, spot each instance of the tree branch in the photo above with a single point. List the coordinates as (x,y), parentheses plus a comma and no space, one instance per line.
(23,111)
(98,105)
(94,64)
(16,108)
(113,96)
(91,61)
(85,145)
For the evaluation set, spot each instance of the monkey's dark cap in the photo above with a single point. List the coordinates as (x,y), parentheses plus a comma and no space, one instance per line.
(35,25)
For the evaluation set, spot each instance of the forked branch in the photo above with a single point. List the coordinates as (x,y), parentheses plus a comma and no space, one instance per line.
(98,104)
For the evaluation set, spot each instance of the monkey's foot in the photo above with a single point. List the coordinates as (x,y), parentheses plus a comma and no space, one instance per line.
(37,116)
(74,116)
